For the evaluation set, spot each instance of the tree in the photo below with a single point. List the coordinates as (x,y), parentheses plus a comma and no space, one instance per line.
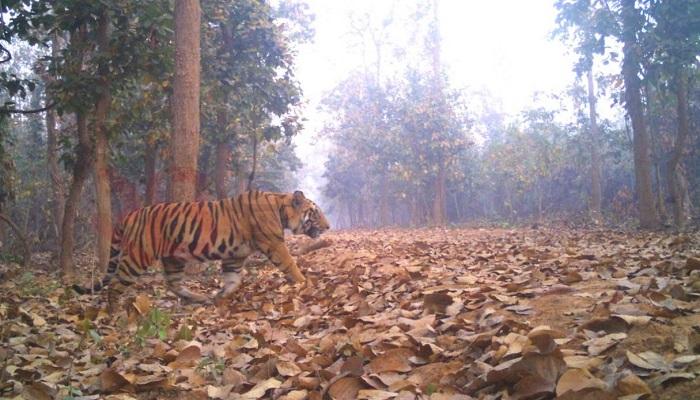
(184,143)
(631,24)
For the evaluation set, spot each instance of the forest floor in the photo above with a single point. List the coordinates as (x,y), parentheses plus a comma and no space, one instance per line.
(390,314)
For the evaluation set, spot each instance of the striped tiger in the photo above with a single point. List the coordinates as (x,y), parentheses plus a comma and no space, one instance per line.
(228,230)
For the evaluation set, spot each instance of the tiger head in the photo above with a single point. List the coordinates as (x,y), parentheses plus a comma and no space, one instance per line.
(305,217)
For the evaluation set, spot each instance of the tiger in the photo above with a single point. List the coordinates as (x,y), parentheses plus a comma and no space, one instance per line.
(228,230)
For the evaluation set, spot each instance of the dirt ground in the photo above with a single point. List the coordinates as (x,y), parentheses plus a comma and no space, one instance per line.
(390,314)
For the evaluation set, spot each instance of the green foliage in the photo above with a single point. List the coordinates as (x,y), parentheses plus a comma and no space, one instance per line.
(185,333)
(153,325)
(211,366)
(29,286)
(89,331)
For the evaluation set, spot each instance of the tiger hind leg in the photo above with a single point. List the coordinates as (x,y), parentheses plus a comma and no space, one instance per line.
(126,272)
(231,270)
(174,271)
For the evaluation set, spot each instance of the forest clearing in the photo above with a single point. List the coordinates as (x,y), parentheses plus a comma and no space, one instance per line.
(438,313)
(337,200)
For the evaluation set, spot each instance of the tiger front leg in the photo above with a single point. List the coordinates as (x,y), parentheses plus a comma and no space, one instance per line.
(174,270)
(231,270)
(279,255)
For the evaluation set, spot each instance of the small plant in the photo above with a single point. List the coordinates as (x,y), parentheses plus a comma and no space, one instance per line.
(211,366)
(89,331)
(7,258)
(431,388)
(28,285)
(73,393)
(184,333)
(154,324)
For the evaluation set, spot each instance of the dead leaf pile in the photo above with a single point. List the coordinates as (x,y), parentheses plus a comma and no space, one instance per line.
(391,314)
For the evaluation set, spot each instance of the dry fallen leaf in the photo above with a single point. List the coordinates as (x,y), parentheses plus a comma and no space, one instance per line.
(575,380)
(394,360)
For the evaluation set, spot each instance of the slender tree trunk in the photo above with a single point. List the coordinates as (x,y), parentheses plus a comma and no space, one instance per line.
(648,218)
(203,172)
(150,159)
(54,169)
(221,169)
(439,199)
(661,203)
(676,173)
(596,187)
(383,202)
(253,168)
(440,189)
(81,169)
(185,101)
(103,195)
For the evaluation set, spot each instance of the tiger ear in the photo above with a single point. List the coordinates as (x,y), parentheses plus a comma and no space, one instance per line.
(298,199)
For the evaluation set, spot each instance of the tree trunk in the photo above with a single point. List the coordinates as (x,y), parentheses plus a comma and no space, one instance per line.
(150,159)
(203,171)
(221,169)
(596,188)
(81,169)
(676,173)
(103,195)
(54,169)
(253,167)
(383,202)
(185,101)
(648,218)
(440,197)
(660,202)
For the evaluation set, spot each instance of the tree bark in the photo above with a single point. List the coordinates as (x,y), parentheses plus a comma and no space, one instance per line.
(81,169)
(648,218)
(203,171)
(254,166)
(185,101)
(440,194)
(383,202)
(54,170)
(150,159)
(103,195)
(221,169)
(439,199)
(596,188)
(676,173)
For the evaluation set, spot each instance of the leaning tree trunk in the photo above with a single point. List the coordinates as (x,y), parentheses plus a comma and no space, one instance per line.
(81,169)
(676,175)
(103,193)
(596,190)
(648,218)
(185,101)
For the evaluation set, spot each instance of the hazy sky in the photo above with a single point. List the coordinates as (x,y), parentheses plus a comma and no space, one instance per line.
(502,46)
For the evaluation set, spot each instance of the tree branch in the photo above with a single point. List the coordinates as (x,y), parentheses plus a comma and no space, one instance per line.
(35,111)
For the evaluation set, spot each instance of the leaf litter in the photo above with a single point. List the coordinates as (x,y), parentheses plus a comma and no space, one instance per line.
(392,314)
